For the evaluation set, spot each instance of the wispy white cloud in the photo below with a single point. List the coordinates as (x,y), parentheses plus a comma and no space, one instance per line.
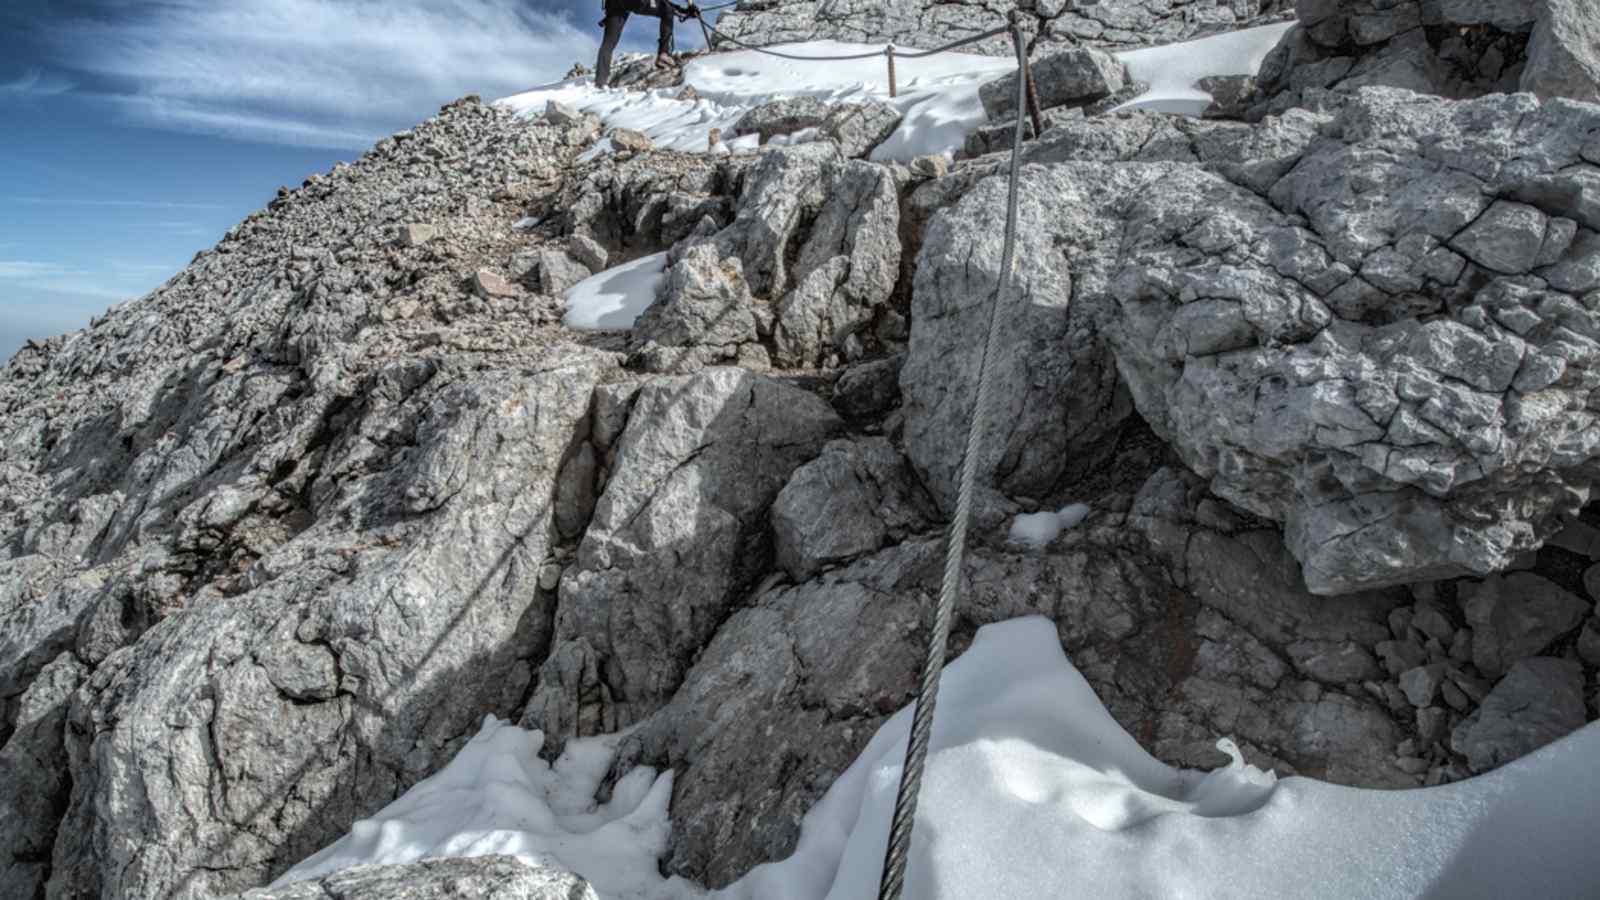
(114,281)
(32,84)
(334,73)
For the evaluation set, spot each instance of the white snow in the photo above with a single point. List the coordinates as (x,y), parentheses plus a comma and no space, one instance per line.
(1031,790)
(498,797)
(1173,71)
(616,297)
(1035,530)
(937,95)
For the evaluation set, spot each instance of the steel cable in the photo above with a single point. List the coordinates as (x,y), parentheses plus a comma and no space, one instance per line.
(905,805)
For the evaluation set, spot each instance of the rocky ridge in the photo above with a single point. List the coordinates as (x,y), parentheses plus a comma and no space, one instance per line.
(276,537)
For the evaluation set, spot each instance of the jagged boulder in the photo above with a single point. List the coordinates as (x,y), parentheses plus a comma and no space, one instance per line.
(1402,380)
(1072,77)
(1538,701)
(703,315)
(672,543)
(852,500)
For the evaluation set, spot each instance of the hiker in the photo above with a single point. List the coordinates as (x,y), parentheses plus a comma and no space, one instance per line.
(616,17)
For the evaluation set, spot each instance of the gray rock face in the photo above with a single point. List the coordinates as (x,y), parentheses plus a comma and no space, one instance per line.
(478,878)
(927,24)
(785,116)
(271,498)
(1305,369)
(858,128)
(1072,77)
(1516,616)
(1538,701)
(1452,49)
(670,545)
(846,270)
(852,500)
(33,771)
(1564,51)
(558,272)
(703,315)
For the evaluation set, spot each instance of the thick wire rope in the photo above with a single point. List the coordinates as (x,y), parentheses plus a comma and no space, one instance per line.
(905,804)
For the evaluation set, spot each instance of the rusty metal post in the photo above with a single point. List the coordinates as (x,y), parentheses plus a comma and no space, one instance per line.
(889,52)
(1033,98)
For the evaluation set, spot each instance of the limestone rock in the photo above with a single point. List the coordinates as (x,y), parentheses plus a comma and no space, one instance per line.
(629,141)
(558,272)
(588,252)
(493,286)
(858,128)
(785,116)
(474,878)
(846,503)
(561,115)
(702,315)
(869,389)
(1071,77)
(1516,616)
(1537,702)
(662,563)
(1564,52)
(415,235)
(34,773)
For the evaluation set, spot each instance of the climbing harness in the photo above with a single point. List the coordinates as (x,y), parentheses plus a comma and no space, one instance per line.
(905,806)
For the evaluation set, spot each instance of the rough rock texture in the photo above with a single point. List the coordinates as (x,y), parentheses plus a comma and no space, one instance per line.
(674,541)
(1538,701)
(275,538)
(852,500)
(1344,333)
(702,316)
(499,877)
(1073,77)
(930,23)
(1453,49)
(288,509)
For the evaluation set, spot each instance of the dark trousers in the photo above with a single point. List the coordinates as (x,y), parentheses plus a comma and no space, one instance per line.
(608,44)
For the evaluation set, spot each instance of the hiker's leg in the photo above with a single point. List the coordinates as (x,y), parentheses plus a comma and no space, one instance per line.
(664,40)
(608,46)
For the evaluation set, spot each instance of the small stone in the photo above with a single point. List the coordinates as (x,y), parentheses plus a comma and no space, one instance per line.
(1589,643)
(1517,616)
(415,235)
(1461,646)
(1400,622)
(1428,619)
(492,286)
(1475,688)
(588,251)
(1407,747)
(561,115)
(1421,684)
(1398,656)
(1431,723)
(1580,538)
(550,576)
(1394,697)
(1412,765)
(930,166)
(1454,696)
(1537,702)
(1591,581)
(628,140)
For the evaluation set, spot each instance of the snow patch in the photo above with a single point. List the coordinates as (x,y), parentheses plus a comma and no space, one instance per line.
(1174,71)
(1035,530)
(615,298)
(1032,789)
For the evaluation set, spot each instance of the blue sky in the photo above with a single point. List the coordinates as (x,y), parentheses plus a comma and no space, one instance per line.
(138,131)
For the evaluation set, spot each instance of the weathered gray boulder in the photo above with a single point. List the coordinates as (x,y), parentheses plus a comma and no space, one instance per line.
(702,316)
(1072,77)
(846,270)
(1538,701)
(858,128)
(558,271)
(33,771)
(852,500)
(785,116)
(669,550)
(1516,616)
(476,878)
(1564,51)
(1305,369)
(869,389)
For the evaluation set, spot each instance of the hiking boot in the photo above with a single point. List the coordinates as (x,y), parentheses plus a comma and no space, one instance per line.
(665,61)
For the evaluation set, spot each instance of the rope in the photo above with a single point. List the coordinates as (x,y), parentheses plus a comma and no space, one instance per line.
(905,804)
